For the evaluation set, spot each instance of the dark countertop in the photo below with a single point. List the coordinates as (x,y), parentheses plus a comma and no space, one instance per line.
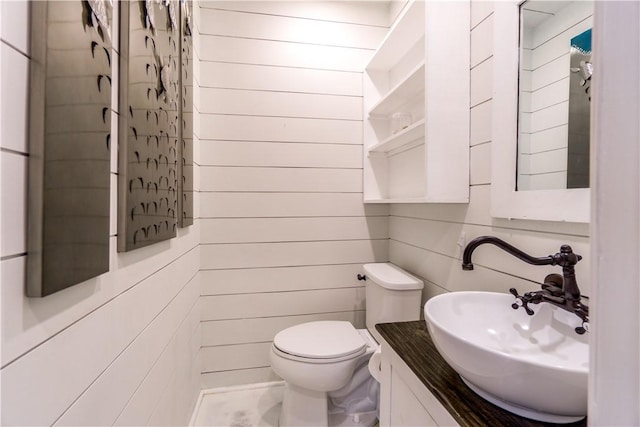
(411,341)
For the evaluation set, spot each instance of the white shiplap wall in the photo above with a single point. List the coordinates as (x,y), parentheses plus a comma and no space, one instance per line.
(283,230)
(424,238)
(122,348)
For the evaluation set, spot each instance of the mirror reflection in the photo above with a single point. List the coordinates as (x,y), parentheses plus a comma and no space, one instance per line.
(554,94)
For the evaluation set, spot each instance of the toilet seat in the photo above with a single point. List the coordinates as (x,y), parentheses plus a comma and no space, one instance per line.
(315,361)
(320,342)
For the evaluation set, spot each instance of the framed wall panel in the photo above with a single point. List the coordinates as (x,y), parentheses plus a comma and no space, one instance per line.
(185,187)
(69,144)
(150,125)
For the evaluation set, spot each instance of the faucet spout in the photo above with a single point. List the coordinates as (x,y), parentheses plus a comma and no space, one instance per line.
(468,251)
(562,291)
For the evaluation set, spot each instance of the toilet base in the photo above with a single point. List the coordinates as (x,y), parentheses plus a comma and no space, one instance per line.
(367,419)
(353,405)
(303,407)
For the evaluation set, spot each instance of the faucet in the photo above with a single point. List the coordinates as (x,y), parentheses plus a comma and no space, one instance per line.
(561,291)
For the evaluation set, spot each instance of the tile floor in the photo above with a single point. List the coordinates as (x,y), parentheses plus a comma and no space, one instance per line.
(242,406)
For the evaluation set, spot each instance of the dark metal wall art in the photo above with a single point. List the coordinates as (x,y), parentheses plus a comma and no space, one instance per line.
(185,186)
(69,144)
(150,122)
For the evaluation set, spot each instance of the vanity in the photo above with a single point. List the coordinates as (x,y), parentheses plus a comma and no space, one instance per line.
(418,388)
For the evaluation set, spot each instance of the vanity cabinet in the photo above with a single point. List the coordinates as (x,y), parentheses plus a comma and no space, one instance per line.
(404,399)
(416,108)
(419,388)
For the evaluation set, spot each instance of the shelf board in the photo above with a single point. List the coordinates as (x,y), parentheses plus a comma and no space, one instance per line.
(424,199)
(405,136)
(399,200)
(408,88)
(403,35)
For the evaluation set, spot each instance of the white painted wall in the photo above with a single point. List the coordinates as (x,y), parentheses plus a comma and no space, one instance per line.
(121,348)
(423,238)
(283,230)
(614,383)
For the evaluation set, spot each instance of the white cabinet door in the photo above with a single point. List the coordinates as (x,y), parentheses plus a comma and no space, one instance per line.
(404,399)
(406,409)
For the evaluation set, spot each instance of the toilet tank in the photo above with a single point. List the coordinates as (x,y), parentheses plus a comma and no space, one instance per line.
(392,295)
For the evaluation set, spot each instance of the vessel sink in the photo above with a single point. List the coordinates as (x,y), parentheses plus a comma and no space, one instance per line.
(534,366)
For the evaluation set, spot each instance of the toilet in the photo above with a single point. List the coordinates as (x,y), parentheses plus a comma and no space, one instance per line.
(325,364)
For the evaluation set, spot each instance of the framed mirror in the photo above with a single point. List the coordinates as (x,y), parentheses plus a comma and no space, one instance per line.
(554,99)
(540,153)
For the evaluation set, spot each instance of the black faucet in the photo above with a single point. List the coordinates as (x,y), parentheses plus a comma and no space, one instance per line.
(561,291)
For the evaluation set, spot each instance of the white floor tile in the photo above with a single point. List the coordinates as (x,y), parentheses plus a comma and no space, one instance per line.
(244,406)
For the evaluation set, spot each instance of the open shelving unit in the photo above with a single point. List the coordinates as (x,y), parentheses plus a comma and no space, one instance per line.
(397,96)
(421,70)
(398,140)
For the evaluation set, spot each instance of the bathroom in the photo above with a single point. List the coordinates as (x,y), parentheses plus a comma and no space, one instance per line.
(281,230)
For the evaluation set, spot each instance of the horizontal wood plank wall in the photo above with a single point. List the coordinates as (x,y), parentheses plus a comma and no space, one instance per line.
(283,227)
(424,238)
(122,348)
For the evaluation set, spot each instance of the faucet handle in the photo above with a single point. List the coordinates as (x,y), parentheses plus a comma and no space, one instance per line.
(521,301)
(582,311)
(580,330)
(566,257)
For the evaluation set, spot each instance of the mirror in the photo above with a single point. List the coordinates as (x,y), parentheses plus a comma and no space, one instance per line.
(553,96)
(549,204)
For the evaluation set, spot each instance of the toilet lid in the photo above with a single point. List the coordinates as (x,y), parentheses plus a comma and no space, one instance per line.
(320,340)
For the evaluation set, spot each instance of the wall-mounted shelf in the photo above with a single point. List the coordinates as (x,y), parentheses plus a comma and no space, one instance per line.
(404,137)
(414,73)
(399,200)
(409,87)
(403,35)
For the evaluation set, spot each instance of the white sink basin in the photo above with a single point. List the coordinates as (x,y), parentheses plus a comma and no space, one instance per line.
(534,366)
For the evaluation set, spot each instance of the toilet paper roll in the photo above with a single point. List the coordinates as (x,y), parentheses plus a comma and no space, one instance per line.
(375,364)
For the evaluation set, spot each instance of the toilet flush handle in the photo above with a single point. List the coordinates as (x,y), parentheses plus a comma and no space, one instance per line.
(362,277)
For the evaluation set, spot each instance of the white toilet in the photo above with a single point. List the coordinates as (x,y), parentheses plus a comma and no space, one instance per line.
(325,364)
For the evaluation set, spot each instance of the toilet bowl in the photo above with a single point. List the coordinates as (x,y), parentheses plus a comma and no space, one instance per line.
(325,367)
(325,364)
